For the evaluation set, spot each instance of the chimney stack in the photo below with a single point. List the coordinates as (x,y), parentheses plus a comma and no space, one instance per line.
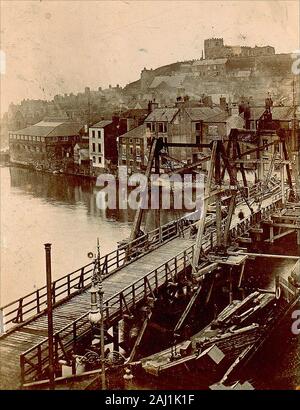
(152,105)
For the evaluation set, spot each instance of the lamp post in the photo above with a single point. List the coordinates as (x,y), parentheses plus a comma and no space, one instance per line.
(101,293)
(49,315)
(96,314)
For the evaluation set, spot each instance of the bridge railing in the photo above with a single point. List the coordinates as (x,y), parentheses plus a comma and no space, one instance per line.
(35,303)
(34,362)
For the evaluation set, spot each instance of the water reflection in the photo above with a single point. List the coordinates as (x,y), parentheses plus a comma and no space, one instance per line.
(71,192)
(38,208)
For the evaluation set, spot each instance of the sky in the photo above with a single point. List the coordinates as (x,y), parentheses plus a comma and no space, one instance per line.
(54,47)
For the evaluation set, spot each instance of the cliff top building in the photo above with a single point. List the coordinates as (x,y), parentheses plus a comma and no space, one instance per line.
(215,48)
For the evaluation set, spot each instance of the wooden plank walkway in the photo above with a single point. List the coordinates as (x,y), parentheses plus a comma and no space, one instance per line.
(34,332)
(29,339)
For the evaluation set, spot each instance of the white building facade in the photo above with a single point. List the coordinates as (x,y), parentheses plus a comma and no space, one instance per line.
(97,144)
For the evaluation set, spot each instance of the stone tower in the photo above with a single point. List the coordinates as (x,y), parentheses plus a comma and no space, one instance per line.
(214,48)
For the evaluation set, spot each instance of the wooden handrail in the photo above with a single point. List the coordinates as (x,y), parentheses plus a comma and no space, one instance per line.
(113,263)
(133,293)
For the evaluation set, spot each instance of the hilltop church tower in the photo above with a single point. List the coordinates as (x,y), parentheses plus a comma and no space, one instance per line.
(213,48)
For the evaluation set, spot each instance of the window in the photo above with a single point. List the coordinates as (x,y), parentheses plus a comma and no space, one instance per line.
(138,151)
(93,133)
(161,127)
(100,160)
(198,126)
(94,160)
(265,143)
(65,139)
(99,147)
(131,150)
(94,147)
(99,134)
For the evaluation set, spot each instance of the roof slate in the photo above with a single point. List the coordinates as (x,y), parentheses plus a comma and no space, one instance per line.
(203,113)
(137,132)
(51,129)
(101,124)
(282,113)
(162,114)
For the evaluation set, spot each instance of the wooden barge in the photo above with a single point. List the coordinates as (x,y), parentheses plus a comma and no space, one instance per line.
(217,353)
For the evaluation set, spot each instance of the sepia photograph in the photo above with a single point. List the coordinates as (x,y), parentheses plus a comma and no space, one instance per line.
(150,197)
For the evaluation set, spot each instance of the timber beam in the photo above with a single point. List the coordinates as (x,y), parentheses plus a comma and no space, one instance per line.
(281,225)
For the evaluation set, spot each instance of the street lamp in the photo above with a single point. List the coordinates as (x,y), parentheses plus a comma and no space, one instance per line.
(96,314)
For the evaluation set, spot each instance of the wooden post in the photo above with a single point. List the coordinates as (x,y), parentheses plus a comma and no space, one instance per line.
(271,234)
(282,174)
(116,337)
(201,225)
(298,236)
(50,315)
(38,309)
(218,198)
(230,284)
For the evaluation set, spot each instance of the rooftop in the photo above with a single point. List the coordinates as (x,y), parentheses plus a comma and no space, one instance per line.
(102,124)
(257,112)
(284,113)
(137,132)
(203,113)
(162,114)
(51,128)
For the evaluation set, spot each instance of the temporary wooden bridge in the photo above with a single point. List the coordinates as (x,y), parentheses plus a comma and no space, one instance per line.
(134,272)
(131,274)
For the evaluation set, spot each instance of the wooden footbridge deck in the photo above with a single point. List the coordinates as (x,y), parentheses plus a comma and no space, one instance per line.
(131,274)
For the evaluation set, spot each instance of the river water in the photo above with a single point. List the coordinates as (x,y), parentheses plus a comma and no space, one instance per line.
(37,208)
